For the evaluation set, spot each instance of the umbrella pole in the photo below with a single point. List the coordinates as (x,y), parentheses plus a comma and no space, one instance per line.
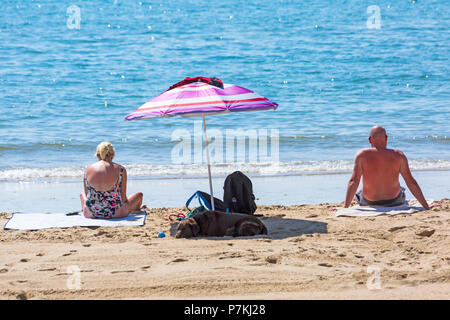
(209,165)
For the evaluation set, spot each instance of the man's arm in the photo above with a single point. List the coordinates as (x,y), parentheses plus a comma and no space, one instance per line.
(353,184)
(412,184)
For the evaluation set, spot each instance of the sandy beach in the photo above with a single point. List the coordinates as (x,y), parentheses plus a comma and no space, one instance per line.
(311,102)
(309,253)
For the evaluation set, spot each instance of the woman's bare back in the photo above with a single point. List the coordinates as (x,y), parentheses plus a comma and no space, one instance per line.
(103,175)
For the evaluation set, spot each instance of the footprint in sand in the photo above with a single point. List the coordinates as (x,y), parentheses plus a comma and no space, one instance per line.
(102,232)
(325,265)
(425,233)
(4,270)
(272,259)
(232,255)
(48,269)
(178,260)
(69,253)
(22,296)
(396,228)
(24,260)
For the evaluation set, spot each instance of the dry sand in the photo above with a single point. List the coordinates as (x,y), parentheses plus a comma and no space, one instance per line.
(308,254)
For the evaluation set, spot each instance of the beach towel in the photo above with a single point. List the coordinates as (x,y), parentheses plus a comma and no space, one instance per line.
(409,207)
(36,221)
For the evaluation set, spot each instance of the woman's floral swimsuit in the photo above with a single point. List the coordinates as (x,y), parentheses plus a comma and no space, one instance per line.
(103,204)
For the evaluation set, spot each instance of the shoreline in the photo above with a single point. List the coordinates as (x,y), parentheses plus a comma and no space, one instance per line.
(62,195)
(198,177)
(161,171)
(308,254)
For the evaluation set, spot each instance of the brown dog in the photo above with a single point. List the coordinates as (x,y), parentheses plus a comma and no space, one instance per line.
(219,224)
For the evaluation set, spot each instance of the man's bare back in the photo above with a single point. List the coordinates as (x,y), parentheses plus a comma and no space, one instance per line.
(380,172)
(380,169)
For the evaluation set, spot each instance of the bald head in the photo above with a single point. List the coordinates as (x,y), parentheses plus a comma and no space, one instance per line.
(378,137)
(377,131)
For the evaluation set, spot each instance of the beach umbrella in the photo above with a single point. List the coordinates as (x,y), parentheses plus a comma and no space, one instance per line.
(200,96)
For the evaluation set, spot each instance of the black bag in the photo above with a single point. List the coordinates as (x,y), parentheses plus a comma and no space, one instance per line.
(204,199)
(238,194)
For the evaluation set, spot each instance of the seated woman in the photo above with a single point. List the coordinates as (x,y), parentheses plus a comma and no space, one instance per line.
(105,188)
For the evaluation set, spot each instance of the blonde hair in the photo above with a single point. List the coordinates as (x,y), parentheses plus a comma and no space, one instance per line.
(105,150)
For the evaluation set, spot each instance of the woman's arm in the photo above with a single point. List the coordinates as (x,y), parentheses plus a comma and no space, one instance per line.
(123,187)
(84,183)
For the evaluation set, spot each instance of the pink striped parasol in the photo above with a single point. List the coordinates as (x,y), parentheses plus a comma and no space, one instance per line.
(201,99)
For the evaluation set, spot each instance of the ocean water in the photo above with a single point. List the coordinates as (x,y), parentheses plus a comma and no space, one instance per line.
(336,68)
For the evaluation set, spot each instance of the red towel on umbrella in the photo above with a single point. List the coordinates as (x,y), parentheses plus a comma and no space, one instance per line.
(212,81)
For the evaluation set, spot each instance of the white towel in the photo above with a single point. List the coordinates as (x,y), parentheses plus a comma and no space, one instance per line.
(410,206)
(36,221)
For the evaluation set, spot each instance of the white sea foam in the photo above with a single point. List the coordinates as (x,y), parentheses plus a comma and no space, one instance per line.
(194,170)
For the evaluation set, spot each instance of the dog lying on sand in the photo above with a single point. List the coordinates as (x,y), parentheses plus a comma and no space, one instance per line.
(219,224)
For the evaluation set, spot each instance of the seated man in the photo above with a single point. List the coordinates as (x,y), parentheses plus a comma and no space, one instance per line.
(380,168)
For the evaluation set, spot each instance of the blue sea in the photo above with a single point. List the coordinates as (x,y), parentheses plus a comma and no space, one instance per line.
(70,71)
